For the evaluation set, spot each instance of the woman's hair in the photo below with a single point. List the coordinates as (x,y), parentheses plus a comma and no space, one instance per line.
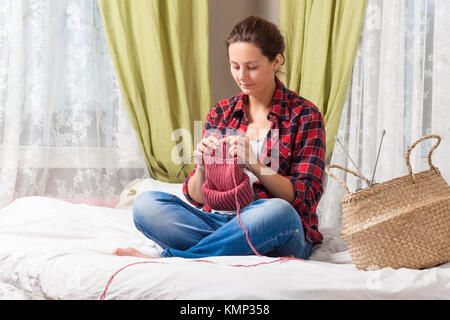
(261,33)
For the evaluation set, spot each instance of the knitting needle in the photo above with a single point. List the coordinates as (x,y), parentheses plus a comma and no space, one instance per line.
(383,132)
(184,165)
(347,154)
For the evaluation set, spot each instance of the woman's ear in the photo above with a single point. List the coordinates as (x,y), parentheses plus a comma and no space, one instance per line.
(278,61)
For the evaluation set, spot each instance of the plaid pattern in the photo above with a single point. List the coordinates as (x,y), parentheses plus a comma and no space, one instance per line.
(294,148)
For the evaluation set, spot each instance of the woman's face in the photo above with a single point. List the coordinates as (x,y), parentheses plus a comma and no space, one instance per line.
(252,71)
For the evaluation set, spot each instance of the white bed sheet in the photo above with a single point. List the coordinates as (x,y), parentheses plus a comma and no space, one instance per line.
(50,249)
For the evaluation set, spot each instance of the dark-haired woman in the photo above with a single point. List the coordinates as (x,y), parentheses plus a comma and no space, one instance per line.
(282,220)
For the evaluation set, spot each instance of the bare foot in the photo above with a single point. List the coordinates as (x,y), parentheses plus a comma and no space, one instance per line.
(132,252)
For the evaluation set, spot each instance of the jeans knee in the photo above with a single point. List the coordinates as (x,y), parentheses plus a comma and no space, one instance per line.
(146,207)
(281,210)
(273,214)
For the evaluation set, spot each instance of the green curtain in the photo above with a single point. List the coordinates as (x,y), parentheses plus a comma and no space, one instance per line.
(321,42)
(160,52)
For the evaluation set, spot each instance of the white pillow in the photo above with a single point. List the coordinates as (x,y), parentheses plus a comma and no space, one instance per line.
(139,186)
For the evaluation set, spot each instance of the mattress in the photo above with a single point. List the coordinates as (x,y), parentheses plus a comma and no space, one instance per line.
(51,249)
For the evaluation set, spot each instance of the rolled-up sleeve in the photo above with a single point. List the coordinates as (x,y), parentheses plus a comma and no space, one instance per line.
(186,190)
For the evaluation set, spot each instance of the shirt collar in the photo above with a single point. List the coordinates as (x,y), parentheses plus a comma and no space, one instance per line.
(278,107)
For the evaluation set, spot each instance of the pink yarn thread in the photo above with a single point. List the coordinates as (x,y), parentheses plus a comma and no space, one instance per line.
(225,181)
(281,259)
(220,197)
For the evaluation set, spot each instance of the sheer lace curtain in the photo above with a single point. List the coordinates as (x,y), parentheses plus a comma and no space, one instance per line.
(64,130)
(400,83)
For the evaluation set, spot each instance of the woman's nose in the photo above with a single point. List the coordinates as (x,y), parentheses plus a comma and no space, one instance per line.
(242,74)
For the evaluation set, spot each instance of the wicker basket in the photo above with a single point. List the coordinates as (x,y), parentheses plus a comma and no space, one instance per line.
(400,223)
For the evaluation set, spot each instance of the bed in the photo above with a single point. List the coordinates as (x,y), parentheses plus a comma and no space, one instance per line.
(52,249)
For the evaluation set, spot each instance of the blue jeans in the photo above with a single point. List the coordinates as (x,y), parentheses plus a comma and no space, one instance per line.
(273,225)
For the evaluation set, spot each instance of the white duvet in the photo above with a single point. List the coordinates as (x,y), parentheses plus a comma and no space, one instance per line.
(50,249)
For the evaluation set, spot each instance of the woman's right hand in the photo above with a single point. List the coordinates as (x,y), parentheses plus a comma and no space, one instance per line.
(206,146)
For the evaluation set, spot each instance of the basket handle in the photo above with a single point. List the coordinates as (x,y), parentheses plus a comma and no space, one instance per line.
(408,153)
(327,170)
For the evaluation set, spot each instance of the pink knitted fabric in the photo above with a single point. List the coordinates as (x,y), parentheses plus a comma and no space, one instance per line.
(219,188)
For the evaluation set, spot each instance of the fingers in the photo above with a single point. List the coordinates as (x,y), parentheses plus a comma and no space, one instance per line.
(241,148)
(206,146)
(236,151)
(234,141)
(210,143)
(240,151)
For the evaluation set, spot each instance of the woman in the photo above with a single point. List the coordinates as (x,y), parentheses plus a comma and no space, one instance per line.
(282,220)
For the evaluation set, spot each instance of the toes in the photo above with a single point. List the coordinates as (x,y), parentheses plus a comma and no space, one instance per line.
(122,252)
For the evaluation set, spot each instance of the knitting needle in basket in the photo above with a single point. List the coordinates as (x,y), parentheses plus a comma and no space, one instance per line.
(383,132)
(347,155)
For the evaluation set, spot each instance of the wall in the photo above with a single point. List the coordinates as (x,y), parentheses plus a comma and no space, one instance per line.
(223,15)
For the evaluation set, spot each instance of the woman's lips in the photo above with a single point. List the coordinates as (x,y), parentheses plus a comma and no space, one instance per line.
(246,86)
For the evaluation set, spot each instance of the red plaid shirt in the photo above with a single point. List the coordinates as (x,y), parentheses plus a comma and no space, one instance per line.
(294,148)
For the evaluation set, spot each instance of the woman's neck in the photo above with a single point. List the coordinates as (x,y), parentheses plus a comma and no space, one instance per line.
(263,100)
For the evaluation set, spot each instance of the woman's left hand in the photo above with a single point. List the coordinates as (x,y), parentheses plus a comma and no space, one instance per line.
(240,147)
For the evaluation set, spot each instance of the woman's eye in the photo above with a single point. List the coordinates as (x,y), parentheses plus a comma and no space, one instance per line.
(249,68)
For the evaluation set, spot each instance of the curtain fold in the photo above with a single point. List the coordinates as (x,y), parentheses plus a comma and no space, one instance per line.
(321,42)
(160,54)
